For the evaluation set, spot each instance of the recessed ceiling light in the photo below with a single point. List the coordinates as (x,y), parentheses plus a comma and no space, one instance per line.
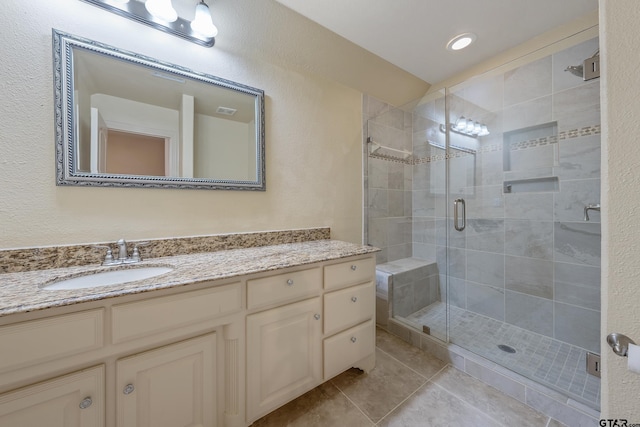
(461,41)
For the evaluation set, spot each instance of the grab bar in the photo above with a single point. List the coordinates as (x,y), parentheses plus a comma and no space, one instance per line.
(456,215)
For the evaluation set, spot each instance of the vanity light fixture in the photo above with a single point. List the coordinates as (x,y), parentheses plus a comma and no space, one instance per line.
(161,9)
(161,15)
(467,127)
(461,41)
(203,24)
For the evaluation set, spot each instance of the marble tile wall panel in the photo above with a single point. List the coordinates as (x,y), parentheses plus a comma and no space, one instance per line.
(485,268)
(573,196)
(579,158)
(457,239)
(577,285)
(530,113)
(485,300)
(529,276)
(528,82)
(533,239)
(457,291)
(486,203)
(532,157)
(577,243)
(531,206)
(577,107)
(578,326)
(485,235)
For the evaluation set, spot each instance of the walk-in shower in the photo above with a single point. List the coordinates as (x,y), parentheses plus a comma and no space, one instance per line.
(483,235)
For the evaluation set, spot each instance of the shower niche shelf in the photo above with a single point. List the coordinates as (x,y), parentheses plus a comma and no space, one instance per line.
(546,184)
(530,155)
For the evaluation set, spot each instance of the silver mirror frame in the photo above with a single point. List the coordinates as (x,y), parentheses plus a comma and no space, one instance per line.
(66,154)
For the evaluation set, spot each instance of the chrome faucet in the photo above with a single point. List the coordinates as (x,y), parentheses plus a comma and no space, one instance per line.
(588,208)
(123,253)
(122,250)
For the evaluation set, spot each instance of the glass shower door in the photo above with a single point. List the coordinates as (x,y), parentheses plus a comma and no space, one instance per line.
(522,263)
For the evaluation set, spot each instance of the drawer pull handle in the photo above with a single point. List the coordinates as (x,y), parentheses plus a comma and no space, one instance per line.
(316,316)
(354,267)
(86,402)
(354,299)
(290,282)
(353,339)
(128,389)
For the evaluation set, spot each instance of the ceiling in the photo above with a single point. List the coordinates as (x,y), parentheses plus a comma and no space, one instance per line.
(412,34)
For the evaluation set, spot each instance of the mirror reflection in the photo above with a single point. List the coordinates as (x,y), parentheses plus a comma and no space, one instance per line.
(134,121)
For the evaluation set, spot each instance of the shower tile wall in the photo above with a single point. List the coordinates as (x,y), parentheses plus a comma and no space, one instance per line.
(389,201)
(526,258)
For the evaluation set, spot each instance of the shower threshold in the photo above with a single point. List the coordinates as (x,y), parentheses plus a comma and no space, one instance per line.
(553,363)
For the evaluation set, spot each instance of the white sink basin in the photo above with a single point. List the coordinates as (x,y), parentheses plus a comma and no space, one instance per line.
(106,278)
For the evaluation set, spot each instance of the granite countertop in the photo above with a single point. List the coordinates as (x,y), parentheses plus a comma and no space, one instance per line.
(22,292)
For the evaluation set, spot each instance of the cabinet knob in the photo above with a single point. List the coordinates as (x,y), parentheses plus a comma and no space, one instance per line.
(353,339)
(316,316)
(128,389)
(86,402)
(354,267)
(354,299)
(290,282)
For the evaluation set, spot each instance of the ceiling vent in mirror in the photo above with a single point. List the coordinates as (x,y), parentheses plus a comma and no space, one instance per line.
(226,111)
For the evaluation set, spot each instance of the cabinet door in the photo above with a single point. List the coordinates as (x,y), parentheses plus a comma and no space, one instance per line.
(75,400)
(284,355)
(172,386)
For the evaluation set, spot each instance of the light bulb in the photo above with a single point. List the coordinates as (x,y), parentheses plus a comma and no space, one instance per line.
(484,131)
(203,24)
(470,126)
(461,123)
(477,128)
(161,9)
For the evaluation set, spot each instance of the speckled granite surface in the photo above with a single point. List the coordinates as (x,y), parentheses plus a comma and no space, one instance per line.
(21,292)
(27,259)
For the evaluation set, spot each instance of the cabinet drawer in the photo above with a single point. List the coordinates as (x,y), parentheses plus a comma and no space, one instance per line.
(45,340)
(348,307)
(343,350)
(349,273)
(283,287)
(142,318)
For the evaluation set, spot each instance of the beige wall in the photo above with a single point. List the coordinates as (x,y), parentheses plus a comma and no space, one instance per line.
(313,143)
(620,87)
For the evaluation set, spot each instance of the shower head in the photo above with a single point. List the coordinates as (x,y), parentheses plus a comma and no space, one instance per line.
(592,65)
(576,70)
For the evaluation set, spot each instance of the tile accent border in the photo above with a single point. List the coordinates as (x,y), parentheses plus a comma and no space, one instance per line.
(48,257)
(541,398)
(515,146)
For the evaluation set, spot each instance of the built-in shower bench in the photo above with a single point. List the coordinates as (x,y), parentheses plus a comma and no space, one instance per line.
(405,286)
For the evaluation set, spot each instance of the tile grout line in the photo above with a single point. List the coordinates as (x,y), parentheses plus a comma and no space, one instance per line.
(409,367)
(409,397)
(354,404)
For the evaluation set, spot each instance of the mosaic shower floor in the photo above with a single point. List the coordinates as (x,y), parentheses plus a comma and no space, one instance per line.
(554,363)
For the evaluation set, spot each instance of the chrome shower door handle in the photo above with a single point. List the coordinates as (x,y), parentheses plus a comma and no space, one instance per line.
(456,214)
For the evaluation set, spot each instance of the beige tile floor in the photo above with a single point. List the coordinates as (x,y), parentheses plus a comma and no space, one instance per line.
(407,388)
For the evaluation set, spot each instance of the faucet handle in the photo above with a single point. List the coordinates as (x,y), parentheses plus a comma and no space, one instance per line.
(108,258)
(135,256)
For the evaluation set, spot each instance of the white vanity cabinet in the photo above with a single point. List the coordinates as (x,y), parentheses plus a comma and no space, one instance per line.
(220,353)
(318,323)
(164,359)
